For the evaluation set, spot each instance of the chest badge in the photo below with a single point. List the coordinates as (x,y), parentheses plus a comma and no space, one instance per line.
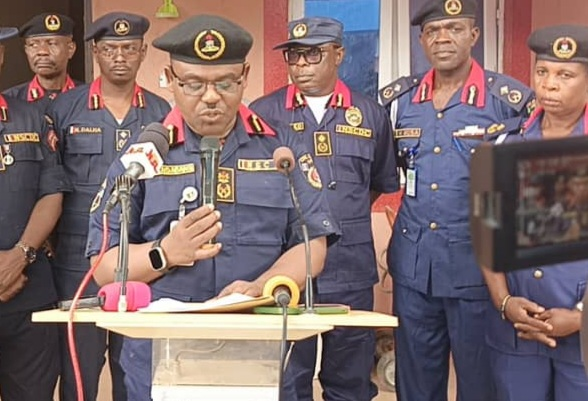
(225,188)
(322,144)
(7,159)
(122,137)
(353,116)
(310,171)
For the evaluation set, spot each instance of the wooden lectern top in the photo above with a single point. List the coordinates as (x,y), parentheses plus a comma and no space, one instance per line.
(228,326)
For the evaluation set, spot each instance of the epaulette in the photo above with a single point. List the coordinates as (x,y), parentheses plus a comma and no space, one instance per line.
(511,92)
(397,88)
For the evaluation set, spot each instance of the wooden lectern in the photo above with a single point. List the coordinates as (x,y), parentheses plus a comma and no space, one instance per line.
(216,356)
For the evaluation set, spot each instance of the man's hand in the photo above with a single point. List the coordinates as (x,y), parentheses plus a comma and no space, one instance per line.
(7,293)
(562,322)
(522,313)
(188,241)
(251,288)
(12,264)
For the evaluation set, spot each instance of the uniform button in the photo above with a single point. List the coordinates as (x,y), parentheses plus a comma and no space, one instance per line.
(472,151)
(439,115)
(433,226)
(434,186)
(437,149)
(404,230)
(538,273)
(326,223)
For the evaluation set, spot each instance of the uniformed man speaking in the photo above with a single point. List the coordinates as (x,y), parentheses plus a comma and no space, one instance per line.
(254,222)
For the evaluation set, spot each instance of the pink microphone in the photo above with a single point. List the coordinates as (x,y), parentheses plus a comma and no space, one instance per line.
(138,296)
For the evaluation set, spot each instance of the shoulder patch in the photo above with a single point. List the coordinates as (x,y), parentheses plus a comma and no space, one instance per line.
(397,88)
(511,92)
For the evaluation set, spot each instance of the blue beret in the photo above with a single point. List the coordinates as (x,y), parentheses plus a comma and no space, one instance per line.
(313,31)
(206,39)
(436,10)
(47,24)
(118,26)
(7,32)
(560,43)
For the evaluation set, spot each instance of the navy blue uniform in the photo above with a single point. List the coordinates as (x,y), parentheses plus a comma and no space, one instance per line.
(529,370)
(89,139)
(33,92)
(353,149)
(29,353)
(440,296)
(259,221)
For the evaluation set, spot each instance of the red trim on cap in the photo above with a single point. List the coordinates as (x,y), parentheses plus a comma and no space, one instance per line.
(95,101)
(36,91)
(174,120)
(250,120)
(3,109)
(475,79)
(341,96)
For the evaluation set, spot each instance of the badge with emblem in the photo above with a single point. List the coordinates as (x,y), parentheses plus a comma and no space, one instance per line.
(7,159)
(564,48)
(453,7)
(353,116)
(515,96)
(52,23)
(388,92)
(122,27)
(495,128)
(209,44)
(225,187)
(322,144)
(299,31)
(310,171)
(122,136)
(98,198)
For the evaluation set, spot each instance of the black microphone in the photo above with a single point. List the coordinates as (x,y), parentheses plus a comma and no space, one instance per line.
(209,158)
(284,162)
(142,159)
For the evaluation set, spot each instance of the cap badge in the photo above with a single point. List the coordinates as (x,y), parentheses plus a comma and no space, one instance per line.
(453,7)
(353,116)
(52,23)
(122,27)
(299,31)
(209,45)
(564,48)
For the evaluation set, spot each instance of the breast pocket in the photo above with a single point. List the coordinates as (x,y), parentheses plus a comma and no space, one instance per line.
(353,159)
(263,202)
(25,171)
(164,193)
(83,158)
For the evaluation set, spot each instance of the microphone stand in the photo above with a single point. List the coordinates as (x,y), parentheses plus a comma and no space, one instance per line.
(308,292)
(123,186)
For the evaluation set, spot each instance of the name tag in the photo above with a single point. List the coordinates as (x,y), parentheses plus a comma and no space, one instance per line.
(178,169)
(256,165)
(355,131)
(21,137)
(407,133)
(84,130)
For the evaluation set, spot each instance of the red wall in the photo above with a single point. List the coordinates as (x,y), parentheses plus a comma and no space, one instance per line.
(517,28)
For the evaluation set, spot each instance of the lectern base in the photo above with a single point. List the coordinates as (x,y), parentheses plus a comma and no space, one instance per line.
(213,393)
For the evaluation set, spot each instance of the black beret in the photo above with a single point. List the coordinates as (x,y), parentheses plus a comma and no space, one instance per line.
(313,31)
(118,26)
(47,24)
(560,43)
(206,39)
(435,10)
(7,32)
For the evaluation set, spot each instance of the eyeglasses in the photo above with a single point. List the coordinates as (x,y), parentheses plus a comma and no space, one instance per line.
(53,46)
(312,55)
(198,88)
(110,51)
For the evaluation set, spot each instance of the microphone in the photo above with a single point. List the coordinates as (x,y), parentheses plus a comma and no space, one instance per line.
(284,162)
(142,160)
(209,159)
(283,289)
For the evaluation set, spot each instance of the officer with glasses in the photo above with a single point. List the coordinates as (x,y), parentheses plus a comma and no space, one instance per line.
(256,227)
(350,138)
(92,125)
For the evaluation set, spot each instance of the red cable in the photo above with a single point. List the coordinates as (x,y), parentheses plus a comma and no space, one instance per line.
(79,292)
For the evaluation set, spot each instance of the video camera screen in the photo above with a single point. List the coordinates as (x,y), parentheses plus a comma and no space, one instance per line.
(529,203)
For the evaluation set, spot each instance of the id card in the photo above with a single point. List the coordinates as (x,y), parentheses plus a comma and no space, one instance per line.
(411,177)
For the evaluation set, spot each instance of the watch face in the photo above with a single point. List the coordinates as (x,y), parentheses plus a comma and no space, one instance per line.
(157,259)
